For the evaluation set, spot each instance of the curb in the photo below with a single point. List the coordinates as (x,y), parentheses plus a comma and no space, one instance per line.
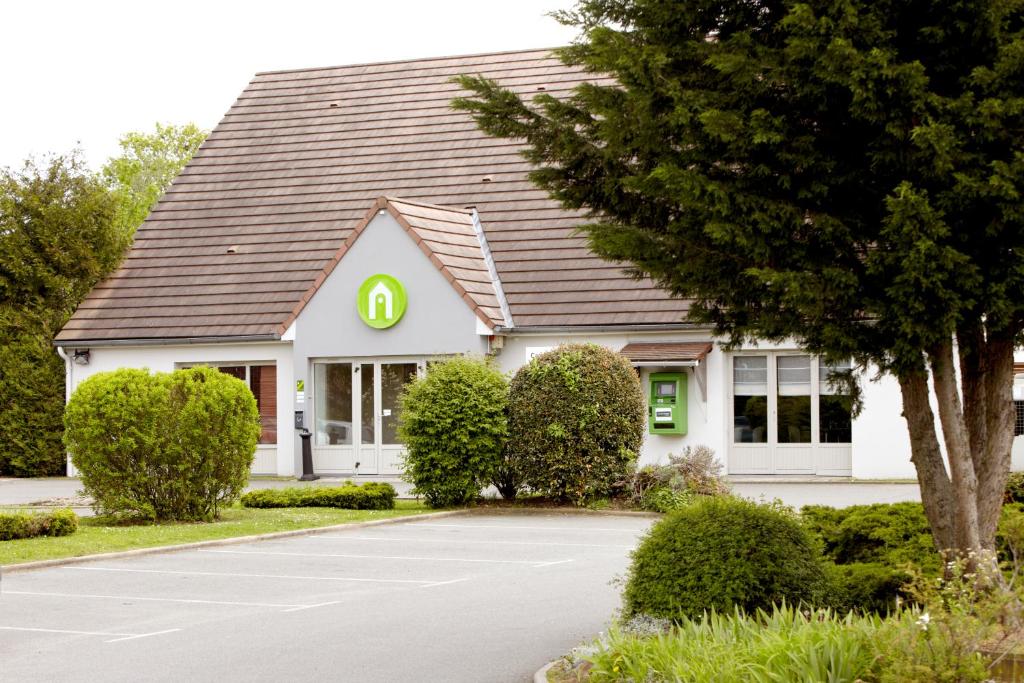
(59,562)
(541,675)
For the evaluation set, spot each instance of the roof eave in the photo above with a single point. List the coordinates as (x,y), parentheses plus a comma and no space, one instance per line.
(167,341)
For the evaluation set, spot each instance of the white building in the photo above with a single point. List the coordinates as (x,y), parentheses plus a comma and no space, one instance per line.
(342,227)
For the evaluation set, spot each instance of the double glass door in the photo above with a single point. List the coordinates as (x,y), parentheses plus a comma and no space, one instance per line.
(356,415)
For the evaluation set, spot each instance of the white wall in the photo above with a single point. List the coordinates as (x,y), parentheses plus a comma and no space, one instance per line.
(166,358)
(881,443)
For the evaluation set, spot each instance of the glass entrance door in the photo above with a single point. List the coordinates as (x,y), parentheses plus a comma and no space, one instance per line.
(392,379)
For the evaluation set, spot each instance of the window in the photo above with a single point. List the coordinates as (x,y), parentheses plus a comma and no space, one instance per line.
(750,399)
(835,407)
(333,388)
(262,382)
(794,396)
(1018,425)
(787,383)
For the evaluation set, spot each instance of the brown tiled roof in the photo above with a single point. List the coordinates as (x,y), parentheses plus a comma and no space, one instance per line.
(287,175)
(1018,367)
(447,237)
(652,352)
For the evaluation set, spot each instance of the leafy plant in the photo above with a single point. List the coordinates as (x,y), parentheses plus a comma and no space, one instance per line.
(29,525)
(576,421)
(660,488)
(349,496)
(724,553)
(783,644)
(893,534)
(165,446)
(454,428)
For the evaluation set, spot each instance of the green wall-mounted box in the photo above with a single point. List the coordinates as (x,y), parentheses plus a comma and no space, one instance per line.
(667,403)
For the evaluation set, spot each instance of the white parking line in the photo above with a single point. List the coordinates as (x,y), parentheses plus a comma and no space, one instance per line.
(118,637)
(407,558)
(144,635)
(148,599)
(244,576)
(449,541)
(509,526)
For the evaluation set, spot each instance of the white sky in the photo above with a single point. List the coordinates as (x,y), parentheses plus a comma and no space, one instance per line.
(82,73)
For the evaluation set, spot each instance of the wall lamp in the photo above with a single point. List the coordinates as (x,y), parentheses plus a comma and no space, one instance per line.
(81,356)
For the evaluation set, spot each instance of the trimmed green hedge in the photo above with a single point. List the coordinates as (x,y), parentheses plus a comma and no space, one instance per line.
(724,553)
(369,496)
(29,525)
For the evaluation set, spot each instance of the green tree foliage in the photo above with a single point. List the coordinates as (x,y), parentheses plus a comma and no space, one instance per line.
(724,553)
(147,165)
(576,421)
(165,446)
(845,174)
(56,241)
(453,425)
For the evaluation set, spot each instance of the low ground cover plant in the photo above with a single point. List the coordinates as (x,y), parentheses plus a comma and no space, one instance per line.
(163,446)
(454,426)
(723,553)
(783,644)
(16,525)
(663,488)
(576,422)
(349,496)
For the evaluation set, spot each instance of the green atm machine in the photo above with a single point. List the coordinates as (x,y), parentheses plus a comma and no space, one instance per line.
(668,403)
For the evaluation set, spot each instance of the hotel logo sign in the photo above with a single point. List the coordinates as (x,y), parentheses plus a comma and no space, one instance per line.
(381,301)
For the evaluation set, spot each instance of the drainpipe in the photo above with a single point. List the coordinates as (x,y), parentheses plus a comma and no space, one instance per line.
(69,367)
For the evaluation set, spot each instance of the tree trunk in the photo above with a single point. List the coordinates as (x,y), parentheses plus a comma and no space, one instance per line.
(994,462)
(958,449)
(936,489)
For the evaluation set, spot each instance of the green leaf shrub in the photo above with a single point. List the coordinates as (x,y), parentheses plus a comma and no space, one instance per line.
(894,534)
(57,239)
(783,644)
(165,446)
(29,525)
(576,421)
(723,553)
(454,427)
(865,587)
(348,496)
(662,488)
(1014,488)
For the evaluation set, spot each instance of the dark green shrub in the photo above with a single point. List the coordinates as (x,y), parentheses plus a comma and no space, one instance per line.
(865,588)
(165,446)
(722,553)
(893,534)
(576,421)
(29,525)
(1014,488)
(349,496)
(453,425)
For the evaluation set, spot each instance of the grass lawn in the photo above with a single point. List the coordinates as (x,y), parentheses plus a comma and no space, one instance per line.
(98,535)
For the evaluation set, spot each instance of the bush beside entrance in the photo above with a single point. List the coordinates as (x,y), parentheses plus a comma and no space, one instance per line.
(576,421)
(454,428)
(164,446)
(349,496)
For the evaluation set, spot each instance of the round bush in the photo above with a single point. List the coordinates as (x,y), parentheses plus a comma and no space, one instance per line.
(576,421)
(724,553)
(165,446)
(453,425)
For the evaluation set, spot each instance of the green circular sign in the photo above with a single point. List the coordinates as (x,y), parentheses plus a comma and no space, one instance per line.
(381,301)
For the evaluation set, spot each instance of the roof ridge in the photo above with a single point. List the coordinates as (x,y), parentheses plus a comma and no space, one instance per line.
(408,61)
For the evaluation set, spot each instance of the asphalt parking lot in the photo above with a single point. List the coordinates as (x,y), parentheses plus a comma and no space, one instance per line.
(481,597)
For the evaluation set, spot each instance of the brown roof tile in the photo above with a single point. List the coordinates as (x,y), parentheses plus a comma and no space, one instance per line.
(286,179)
(652,352)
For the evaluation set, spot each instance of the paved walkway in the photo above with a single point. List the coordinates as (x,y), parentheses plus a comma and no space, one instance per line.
(481,597)
(791,492)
